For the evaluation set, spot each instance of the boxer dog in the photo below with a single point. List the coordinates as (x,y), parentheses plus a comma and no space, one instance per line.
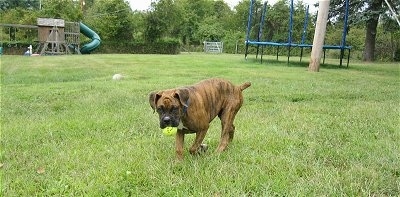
(192,108)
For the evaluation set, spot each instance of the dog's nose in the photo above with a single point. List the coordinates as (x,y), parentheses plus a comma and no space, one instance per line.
(166,120)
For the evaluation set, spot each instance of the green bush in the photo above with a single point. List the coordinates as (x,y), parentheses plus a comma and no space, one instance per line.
(397,55)
(158,47)
(17,48)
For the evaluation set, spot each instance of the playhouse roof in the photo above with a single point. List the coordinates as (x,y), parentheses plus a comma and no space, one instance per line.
(51,22)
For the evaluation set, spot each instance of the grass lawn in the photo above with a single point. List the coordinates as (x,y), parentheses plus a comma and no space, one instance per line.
(68,129)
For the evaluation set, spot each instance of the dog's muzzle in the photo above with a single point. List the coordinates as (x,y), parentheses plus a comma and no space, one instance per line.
(168,120)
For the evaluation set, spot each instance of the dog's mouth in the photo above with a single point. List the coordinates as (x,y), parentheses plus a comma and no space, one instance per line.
(162,126)
(168,121)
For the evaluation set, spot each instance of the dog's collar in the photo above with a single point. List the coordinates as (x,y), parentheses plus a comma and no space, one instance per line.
(184,110)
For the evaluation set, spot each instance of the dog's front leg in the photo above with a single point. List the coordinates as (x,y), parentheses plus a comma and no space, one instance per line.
(179,141)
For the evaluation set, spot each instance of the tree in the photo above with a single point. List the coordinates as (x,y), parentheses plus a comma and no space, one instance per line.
(194,12)
(25,4)
(214,26)
(63,9)
(363,11)
(391,27)
(138,26)
(372,13)
(163,20)
(210,30)
(223,14)
(19,16)
(241,15)
(111,19)
(277,22)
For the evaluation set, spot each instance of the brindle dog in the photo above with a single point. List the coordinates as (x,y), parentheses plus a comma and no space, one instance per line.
(192,108)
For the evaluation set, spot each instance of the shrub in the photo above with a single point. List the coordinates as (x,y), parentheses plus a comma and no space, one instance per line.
(158,47)
(17,48)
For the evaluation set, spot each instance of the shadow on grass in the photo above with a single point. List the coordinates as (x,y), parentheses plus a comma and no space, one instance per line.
(296,63)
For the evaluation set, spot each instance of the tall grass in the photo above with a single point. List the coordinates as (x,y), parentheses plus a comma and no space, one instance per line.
(68,129)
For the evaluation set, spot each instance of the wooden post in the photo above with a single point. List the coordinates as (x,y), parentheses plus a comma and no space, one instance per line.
(319,35)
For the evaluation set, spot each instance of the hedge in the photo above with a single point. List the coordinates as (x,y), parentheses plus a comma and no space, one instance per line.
(160,47)
(17,48)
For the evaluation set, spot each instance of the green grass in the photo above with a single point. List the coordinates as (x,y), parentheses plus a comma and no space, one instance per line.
(67,129)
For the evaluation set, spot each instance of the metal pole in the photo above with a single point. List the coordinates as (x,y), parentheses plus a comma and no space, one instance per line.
(290,29)
(344,34)
(303,37)
(248,28)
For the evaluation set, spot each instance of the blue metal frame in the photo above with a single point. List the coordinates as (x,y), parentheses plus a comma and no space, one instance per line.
(249,20)
(249,26)
(303,36)
(342,47)
(264,13)
(260,29)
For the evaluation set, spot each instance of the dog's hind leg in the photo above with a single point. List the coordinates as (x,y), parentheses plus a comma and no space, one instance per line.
(231,133)
(228,129)
(227,116)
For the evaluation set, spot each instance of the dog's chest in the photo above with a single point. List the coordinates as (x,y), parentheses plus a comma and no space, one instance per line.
(182,126)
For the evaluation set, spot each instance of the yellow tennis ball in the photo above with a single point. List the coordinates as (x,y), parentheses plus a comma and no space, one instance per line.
(169,131)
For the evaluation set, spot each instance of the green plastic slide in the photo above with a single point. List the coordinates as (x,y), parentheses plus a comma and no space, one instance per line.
(89,47)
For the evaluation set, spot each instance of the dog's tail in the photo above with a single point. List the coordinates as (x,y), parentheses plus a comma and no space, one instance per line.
(244,86)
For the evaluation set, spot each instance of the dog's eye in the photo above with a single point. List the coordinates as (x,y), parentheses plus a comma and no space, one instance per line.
(174,110)
(159,110)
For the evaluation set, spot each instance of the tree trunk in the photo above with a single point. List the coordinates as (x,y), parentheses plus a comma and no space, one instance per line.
(371,26)
(319,35)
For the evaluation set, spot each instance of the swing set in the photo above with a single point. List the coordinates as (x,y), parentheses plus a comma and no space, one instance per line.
(290,44)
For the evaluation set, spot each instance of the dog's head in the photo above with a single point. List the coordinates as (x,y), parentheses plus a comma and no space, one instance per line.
(170,105)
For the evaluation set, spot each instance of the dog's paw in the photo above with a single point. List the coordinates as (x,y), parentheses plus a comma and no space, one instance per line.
(203,148)
(197,151)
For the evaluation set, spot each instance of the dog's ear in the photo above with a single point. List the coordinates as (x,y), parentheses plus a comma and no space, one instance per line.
(153,98)
(183,96)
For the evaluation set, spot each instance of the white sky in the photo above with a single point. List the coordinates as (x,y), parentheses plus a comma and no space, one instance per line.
(145,4)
